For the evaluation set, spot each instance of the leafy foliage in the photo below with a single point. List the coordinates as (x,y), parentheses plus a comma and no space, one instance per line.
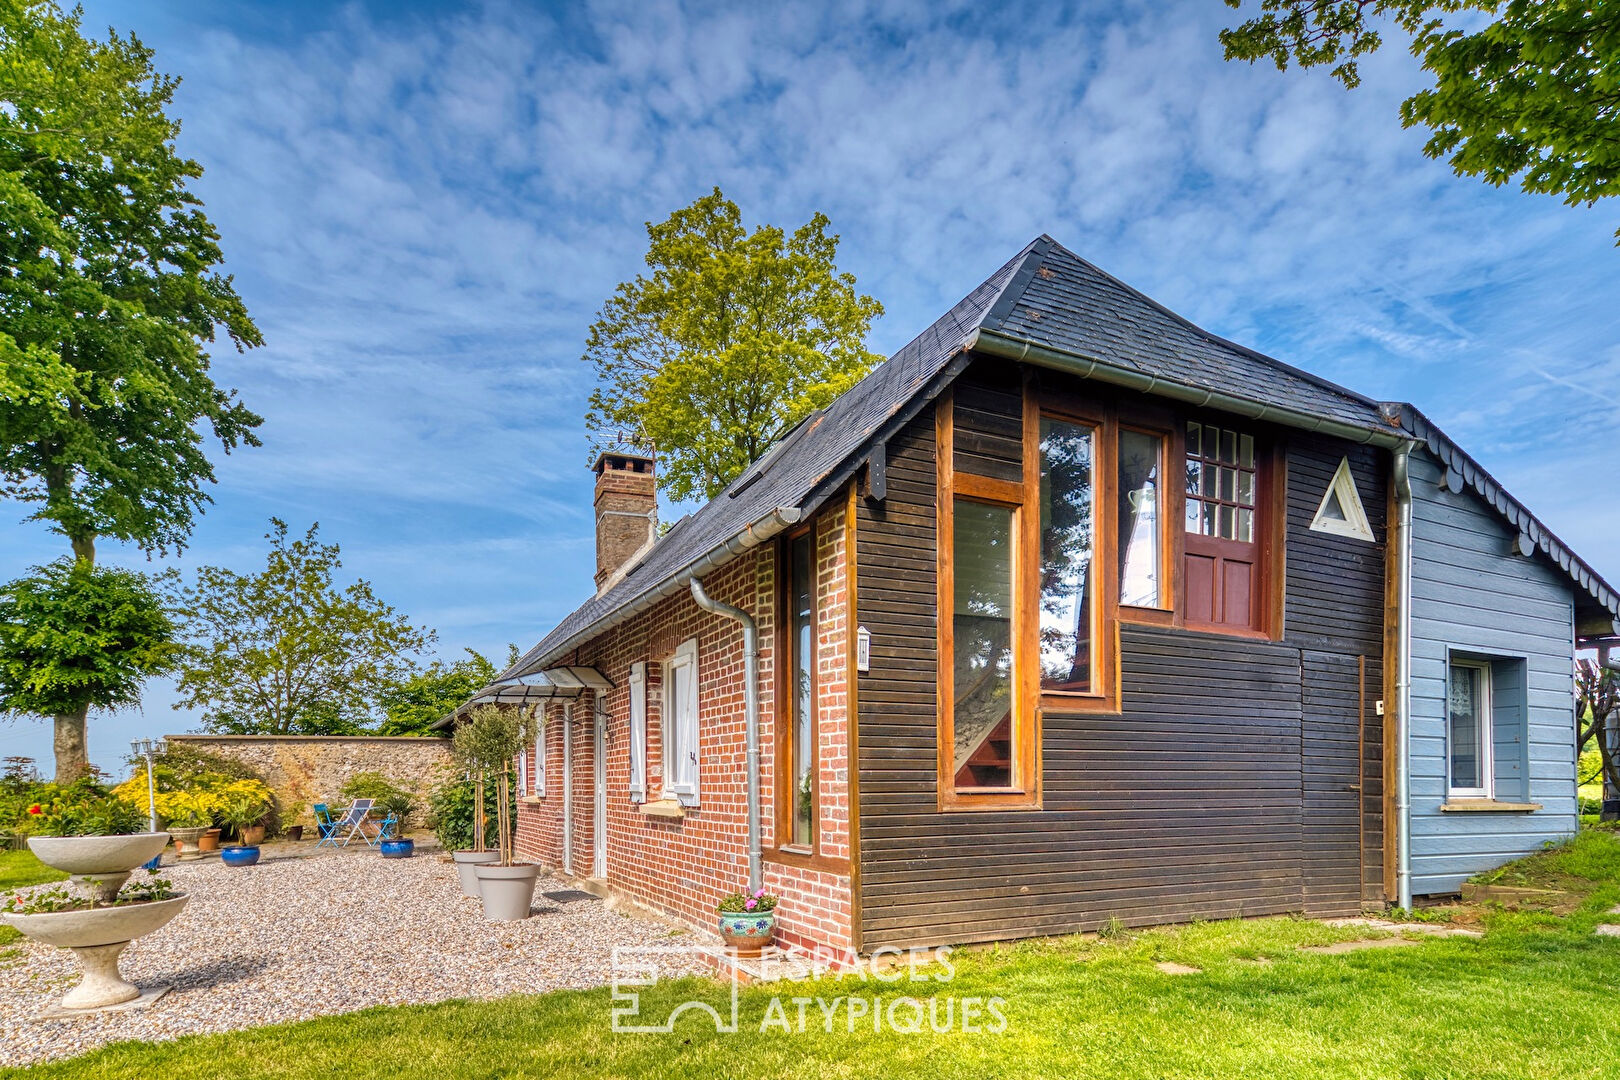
(83,808)
(451,815)
(427,694)
(486,743)
(75,637)
(756,902)
(47,901)
(732,340)
(1597,712)
(108,291)
(195,789)
(1528,89)
(285,651)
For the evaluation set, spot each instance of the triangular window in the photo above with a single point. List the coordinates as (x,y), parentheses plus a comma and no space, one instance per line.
(1341,512)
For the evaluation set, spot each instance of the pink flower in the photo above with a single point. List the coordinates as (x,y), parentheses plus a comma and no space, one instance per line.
(751,905)
(758,893)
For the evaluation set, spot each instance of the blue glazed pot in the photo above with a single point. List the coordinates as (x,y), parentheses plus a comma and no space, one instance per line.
(239,856)
(397,849)
(748,931)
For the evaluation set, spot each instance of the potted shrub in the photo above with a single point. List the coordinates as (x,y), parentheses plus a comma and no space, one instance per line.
(244,803)
(748,920)
(96,837)
(187,816)
(492,736)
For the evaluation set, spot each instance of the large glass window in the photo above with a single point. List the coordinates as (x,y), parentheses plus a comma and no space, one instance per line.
(1067,550)
(1468,732)
(802,649)
(983,731)
(1141,466)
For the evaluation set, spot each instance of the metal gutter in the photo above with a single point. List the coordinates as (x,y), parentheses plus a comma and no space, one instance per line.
(756,857)
(752,536)
(1090,367)
(1403,674)
(568,788)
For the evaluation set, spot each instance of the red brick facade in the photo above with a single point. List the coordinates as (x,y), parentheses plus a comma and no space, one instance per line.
(682,865)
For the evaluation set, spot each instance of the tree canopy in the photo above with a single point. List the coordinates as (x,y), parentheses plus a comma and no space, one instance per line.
(1524,88)
(108,292)
(75,637)
(732,339)
(286,651)
(427,694)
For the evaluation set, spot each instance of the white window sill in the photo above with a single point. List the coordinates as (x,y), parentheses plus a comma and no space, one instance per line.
(1453,806)
(663,808)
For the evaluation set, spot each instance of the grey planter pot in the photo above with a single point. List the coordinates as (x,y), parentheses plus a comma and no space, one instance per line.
(465,862)
(508,891)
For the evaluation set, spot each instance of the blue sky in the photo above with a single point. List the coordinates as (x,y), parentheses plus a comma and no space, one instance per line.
(425,204)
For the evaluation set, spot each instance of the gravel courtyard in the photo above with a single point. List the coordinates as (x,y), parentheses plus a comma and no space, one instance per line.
(298,937)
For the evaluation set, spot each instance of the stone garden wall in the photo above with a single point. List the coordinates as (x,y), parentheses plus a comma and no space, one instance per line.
(305,769)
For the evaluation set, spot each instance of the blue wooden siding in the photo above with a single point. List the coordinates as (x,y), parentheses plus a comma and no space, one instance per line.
(1472,598)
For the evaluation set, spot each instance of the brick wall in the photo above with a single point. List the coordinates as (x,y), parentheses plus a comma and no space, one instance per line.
(306,769)
(683,865)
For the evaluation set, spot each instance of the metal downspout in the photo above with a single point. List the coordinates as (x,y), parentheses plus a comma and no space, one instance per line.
(568,788)
(1403,676)
(750,721)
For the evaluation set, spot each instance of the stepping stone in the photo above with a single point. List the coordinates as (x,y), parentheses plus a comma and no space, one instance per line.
(1170,967)
(1339,947)
(568,896)
(1615,910)
(1607,930)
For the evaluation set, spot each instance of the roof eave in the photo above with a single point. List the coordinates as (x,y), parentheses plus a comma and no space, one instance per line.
(1092,367)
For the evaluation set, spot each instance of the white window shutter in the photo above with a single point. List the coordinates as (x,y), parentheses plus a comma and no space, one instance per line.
(638,732)
(681,697)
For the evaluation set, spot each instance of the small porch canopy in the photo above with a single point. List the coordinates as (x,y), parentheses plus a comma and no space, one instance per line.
(557,682)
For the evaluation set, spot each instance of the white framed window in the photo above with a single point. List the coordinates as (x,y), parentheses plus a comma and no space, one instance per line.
(539,790)
(1341,512)
(638,732)
(1468,730)
(681,724)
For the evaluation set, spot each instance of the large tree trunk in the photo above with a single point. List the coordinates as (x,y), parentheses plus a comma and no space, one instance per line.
(72,758)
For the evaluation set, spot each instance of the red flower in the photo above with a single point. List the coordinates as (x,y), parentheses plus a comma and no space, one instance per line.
(35,809)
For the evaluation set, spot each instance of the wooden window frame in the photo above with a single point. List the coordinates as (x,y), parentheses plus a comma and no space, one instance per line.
(1164,612)
(1025,791)
(1104,693)
(785,850)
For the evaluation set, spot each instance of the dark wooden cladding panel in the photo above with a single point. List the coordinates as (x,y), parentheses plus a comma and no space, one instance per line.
(989,426)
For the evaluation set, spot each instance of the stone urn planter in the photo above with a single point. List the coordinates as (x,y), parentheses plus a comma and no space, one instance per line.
(101,862)
(186,840)
(97,936)
(466,863)
(507,891)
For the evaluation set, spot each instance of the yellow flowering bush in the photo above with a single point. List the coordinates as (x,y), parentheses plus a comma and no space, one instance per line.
(203,801)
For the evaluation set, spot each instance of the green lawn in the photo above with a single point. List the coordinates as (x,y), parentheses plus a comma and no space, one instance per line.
(17,870)
(1535,998)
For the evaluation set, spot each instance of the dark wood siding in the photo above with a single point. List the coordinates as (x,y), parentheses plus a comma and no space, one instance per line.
(1181,806)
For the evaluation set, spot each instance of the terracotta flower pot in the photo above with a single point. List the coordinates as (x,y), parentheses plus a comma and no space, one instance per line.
(252,835)
(209,841)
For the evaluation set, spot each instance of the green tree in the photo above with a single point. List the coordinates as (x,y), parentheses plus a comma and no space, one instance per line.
(1522,87)
(108,297)
(732,339)
(74,637)
(287,652)
(427,694)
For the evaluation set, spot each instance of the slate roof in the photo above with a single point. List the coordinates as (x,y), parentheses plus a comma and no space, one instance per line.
(1046,296)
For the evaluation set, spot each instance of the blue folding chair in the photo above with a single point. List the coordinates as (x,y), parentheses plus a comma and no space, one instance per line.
(350,825)
(325,827)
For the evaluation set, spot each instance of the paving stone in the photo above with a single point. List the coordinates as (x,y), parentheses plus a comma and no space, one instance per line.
(1339,947)
(1170,967)
(1607,930)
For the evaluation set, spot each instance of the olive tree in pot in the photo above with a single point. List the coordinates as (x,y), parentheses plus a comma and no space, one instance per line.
(492,736)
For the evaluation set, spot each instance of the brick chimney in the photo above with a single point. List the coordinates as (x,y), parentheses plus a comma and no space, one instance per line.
(626,514)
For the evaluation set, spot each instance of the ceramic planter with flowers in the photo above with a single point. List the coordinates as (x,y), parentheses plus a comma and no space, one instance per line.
(748,920)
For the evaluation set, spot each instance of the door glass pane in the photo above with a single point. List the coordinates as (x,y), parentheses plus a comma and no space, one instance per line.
(1466,709)
(1067,541)
(801,583)
(1139,464)
(982,668)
